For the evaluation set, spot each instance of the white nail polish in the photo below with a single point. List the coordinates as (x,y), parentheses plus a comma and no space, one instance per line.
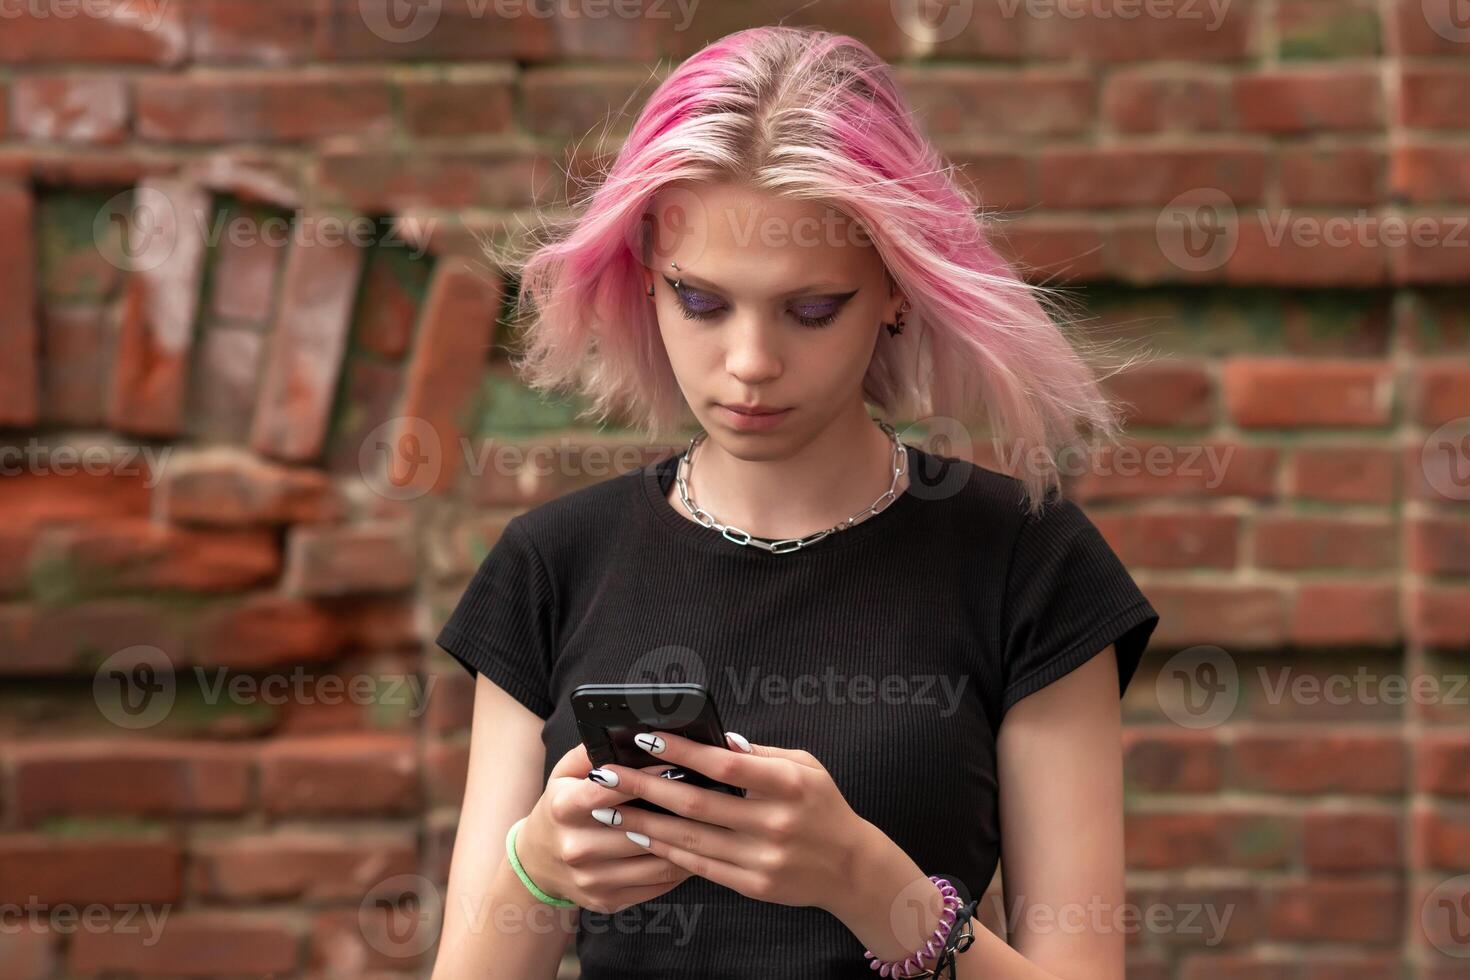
(604,776)
(649,742)
(640,839)
(608,815)
(739,740)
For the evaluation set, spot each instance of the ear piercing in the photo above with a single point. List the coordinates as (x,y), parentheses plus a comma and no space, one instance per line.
(896,328)
(678,283)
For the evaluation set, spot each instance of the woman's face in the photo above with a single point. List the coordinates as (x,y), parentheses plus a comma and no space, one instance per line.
(780,305)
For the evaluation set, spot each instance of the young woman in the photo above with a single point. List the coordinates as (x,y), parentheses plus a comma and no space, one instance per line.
(920,659)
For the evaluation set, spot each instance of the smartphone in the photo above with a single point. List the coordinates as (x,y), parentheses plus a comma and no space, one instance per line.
(609,715)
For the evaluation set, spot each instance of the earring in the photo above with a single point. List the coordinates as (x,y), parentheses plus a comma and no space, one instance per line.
(650,289)
(896,328)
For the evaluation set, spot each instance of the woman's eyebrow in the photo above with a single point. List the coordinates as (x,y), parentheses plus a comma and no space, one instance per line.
(833,289)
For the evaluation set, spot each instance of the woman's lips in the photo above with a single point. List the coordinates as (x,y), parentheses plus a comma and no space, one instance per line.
(752,423)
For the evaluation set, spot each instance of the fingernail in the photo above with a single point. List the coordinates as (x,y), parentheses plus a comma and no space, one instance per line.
(604,776)
(608,815)
(640,839)
(649,742)
(739,740)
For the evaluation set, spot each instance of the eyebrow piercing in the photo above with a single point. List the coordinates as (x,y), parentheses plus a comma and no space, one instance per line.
(678,283)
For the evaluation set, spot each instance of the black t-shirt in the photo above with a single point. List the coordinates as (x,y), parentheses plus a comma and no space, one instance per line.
(890,651)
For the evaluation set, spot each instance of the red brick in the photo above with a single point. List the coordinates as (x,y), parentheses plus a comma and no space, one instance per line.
(54,487)
(269,630)
(230,488)
(372,30)
(1164,394)
(19,341)
(1357,965)
(1341,910)
(1421,173)
(1113,177)
(394,935)
(268,32)
(135,777)
(1441,839)
(1175,540)
(1189,839)
(1440,615)
(1168,761)
(247,266)
(227,106)
(1430,253)
(1263,393)
(1240,616)
(465,101)
(392,290)
(135,554)
(1308,100)
(223,386)
(1305,762)
(1439,546)
(1149,100)
(77,637)
(346,559)
(317,294)
(1210,468)
(958,100)
(451,709)
(157,331)
(373,389)
(1343,475)
(1312,175)
(1433,96)
(1048,247)
(1334,841)
(363,775)
(72,108)
(384,180)
(297,865)
(192,944)
(1443,763)
(1442,392)
(143,33)
(52,870)
(1328,29)
(1282,248)
(27,954)
(448,361)
(1100,34)
(16,547)
(1293,543)
(75,365)
(1347,613)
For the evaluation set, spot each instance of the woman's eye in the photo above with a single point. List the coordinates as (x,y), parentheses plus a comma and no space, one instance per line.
(695,305)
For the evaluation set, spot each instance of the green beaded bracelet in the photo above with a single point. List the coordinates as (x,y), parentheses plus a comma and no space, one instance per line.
(515,862)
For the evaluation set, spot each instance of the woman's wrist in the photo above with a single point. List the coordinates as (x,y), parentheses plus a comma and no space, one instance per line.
(887,901)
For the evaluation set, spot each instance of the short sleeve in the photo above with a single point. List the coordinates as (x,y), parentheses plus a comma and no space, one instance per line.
(1067,597)
(503,624)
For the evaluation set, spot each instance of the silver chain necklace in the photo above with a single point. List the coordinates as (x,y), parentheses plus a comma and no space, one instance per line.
(786,545)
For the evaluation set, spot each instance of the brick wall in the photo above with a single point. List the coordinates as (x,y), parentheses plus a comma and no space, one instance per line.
(228,537)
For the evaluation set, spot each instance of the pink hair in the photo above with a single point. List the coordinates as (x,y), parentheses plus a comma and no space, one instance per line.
(816,115)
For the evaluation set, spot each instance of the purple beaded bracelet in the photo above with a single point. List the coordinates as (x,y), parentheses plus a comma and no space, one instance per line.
(935,943)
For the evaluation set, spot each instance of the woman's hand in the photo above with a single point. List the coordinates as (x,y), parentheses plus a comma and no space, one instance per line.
(570,855)
(788,841)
